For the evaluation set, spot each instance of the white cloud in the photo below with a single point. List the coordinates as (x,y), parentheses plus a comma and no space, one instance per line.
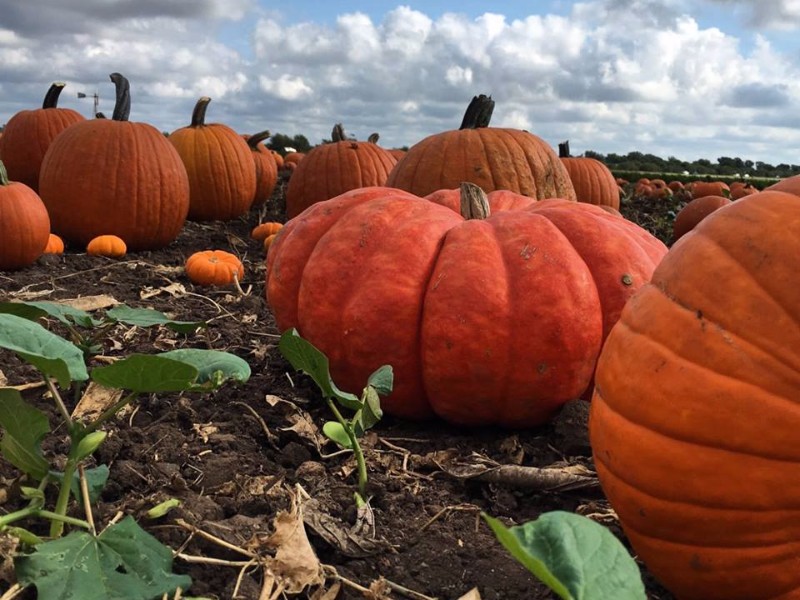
(611,75)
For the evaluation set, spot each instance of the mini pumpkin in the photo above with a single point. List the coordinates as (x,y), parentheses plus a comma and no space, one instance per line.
(24,224)
(55,245)
(264,230)
(108,245)
(694,418)
(214,267)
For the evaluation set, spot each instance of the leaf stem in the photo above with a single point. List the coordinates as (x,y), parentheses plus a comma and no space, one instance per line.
(62,408)
(31,511)
(110,412)
(359,454)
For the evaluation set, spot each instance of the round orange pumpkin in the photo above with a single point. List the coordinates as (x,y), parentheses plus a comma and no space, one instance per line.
(112,176)
(214,267)
(55,245)
(694,417)
(695,211)
(222,174)
(111,246)
(28,135)
(593,181)
(710,188)
(24,224)
(264,230)
(490,157)
(332,169)
(266,168)
(452,303)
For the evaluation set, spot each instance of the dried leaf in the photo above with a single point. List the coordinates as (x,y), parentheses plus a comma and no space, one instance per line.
(295,564)
(473,594)
(90,303)
(95,400)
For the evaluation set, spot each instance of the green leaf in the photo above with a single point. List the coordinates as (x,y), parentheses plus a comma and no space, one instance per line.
(124,562)
(51,354)
(305,357)
(23,427)
(88,444)
(147,373)
(574,556)
(162,508)
(382,380)
(62,312)
(334,431)
(96,479)
(371,411)
(23,535)
(147,317)
(214,367)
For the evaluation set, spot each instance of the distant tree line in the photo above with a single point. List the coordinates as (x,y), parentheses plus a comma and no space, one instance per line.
(731,167)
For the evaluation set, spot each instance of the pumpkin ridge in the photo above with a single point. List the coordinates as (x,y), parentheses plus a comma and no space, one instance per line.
(523,178)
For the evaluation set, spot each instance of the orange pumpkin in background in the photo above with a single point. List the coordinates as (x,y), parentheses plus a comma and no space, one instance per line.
(334,168)
(29,133)
(55,245)
(694,212)
(266,168)
(491,157)
(24,224)
(219,163)
(111,246)
(113,176)
(264,230)
(593,181)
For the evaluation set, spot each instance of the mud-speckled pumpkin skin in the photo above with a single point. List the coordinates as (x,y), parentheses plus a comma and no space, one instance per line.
(695,417)
(484,321)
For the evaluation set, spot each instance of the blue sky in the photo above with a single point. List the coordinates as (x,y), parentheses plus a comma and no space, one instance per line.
(692,79)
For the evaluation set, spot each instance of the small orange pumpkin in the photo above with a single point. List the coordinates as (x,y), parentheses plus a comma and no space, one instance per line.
(214,267)
(55,245)
(268,241)
(263,231)
(111,246)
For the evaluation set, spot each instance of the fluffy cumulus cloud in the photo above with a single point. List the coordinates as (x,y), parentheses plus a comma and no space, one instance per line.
(609,75)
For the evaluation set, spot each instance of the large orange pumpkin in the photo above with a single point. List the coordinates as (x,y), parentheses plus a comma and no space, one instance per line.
(334,168)
(695,211)
(28,134)
(24,224)
(695,417)
(593,181)
(484,320)
(493,158)
(113,176)
(266,167)
(222,175)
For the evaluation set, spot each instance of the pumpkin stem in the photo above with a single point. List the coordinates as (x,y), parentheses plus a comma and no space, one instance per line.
(254,140)
(478,113)
(122,105)
(199,112)
(3,175)
(474,202)
(337,135)
(100,115)
(374,137)
(563,149)
(51,97)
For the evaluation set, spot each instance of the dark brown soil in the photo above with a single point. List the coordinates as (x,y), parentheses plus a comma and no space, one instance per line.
(237,457)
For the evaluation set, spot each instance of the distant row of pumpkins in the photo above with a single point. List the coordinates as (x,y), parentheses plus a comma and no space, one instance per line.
(113,176)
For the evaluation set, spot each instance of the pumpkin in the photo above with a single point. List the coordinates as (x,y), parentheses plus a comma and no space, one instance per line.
(266,168)
(334,168)
(28,135)
(452,303)
(55,245)
(710,188)
(694,417)
(292,159)
(222,175)
(790,185)
(268,241)
(490,157)
(593,181)
(24,224)
(264,230)
(214,267)
(111,246)
(695,211)
(114,176)
(740,189)
(278,158)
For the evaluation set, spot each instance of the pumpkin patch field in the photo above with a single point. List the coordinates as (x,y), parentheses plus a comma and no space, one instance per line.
(241,483)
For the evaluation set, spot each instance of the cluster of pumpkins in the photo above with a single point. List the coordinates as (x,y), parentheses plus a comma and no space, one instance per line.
(497,297)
